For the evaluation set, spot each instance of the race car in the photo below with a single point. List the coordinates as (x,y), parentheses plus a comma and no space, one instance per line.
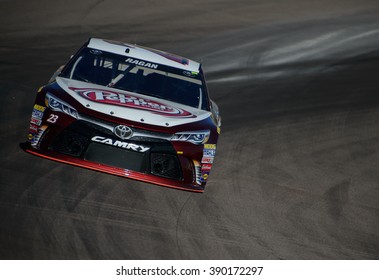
(130,111)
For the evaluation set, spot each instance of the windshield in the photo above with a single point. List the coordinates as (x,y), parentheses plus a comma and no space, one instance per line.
(130,74)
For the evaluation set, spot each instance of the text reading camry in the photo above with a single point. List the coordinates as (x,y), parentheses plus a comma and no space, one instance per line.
(120,144)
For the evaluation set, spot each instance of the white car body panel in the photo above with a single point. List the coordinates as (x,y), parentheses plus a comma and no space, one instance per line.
(132,106)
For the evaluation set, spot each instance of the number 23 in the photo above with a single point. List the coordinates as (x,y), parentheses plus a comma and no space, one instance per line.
(52,118)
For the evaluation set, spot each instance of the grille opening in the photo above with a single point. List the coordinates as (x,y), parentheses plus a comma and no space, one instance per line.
(165,165)
(70,143)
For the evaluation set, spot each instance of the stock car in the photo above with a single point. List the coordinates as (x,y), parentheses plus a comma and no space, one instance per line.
(130,111)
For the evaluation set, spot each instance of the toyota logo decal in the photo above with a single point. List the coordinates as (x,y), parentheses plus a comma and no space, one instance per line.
(122,131)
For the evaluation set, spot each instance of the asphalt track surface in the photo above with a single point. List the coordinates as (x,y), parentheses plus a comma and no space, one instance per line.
(296,172)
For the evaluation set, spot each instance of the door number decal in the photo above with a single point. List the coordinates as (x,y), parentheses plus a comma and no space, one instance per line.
(52,118)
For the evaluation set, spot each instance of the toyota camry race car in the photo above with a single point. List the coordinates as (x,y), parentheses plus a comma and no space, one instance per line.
(130,111)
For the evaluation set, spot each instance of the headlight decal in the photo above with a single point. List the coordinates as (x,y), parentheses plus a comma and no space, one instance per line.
(58,105)
(195,137)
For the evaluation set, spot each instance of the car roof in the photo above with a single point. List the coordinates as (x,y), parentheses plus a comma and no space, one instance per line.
(144,54)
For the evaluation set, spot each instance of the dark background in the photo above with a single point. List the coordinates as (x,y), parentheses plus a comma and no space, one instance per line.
(296,172)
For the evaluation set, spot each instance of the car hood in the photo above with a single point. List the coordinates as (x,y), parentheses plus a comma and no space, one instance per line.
(131,106)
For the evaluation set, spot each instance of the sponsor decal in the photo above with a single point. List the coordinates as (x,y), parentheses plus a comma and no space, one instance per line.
(33,128)
(39,108)
(37,114)
(190,74)
(131,101)
(142,63)
(204,176)
(209,146)
(207,160)
(206,167)
(30,136)
(36,121)
(120,144)
(209,152)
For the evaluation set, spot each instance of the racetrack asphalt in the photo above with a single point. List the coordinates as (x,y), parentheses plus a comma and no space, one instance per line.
(296,171)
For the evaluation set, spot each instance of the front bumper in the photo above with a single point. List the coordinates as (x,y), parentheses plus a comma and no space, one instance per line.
(87,144)
(144,177)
